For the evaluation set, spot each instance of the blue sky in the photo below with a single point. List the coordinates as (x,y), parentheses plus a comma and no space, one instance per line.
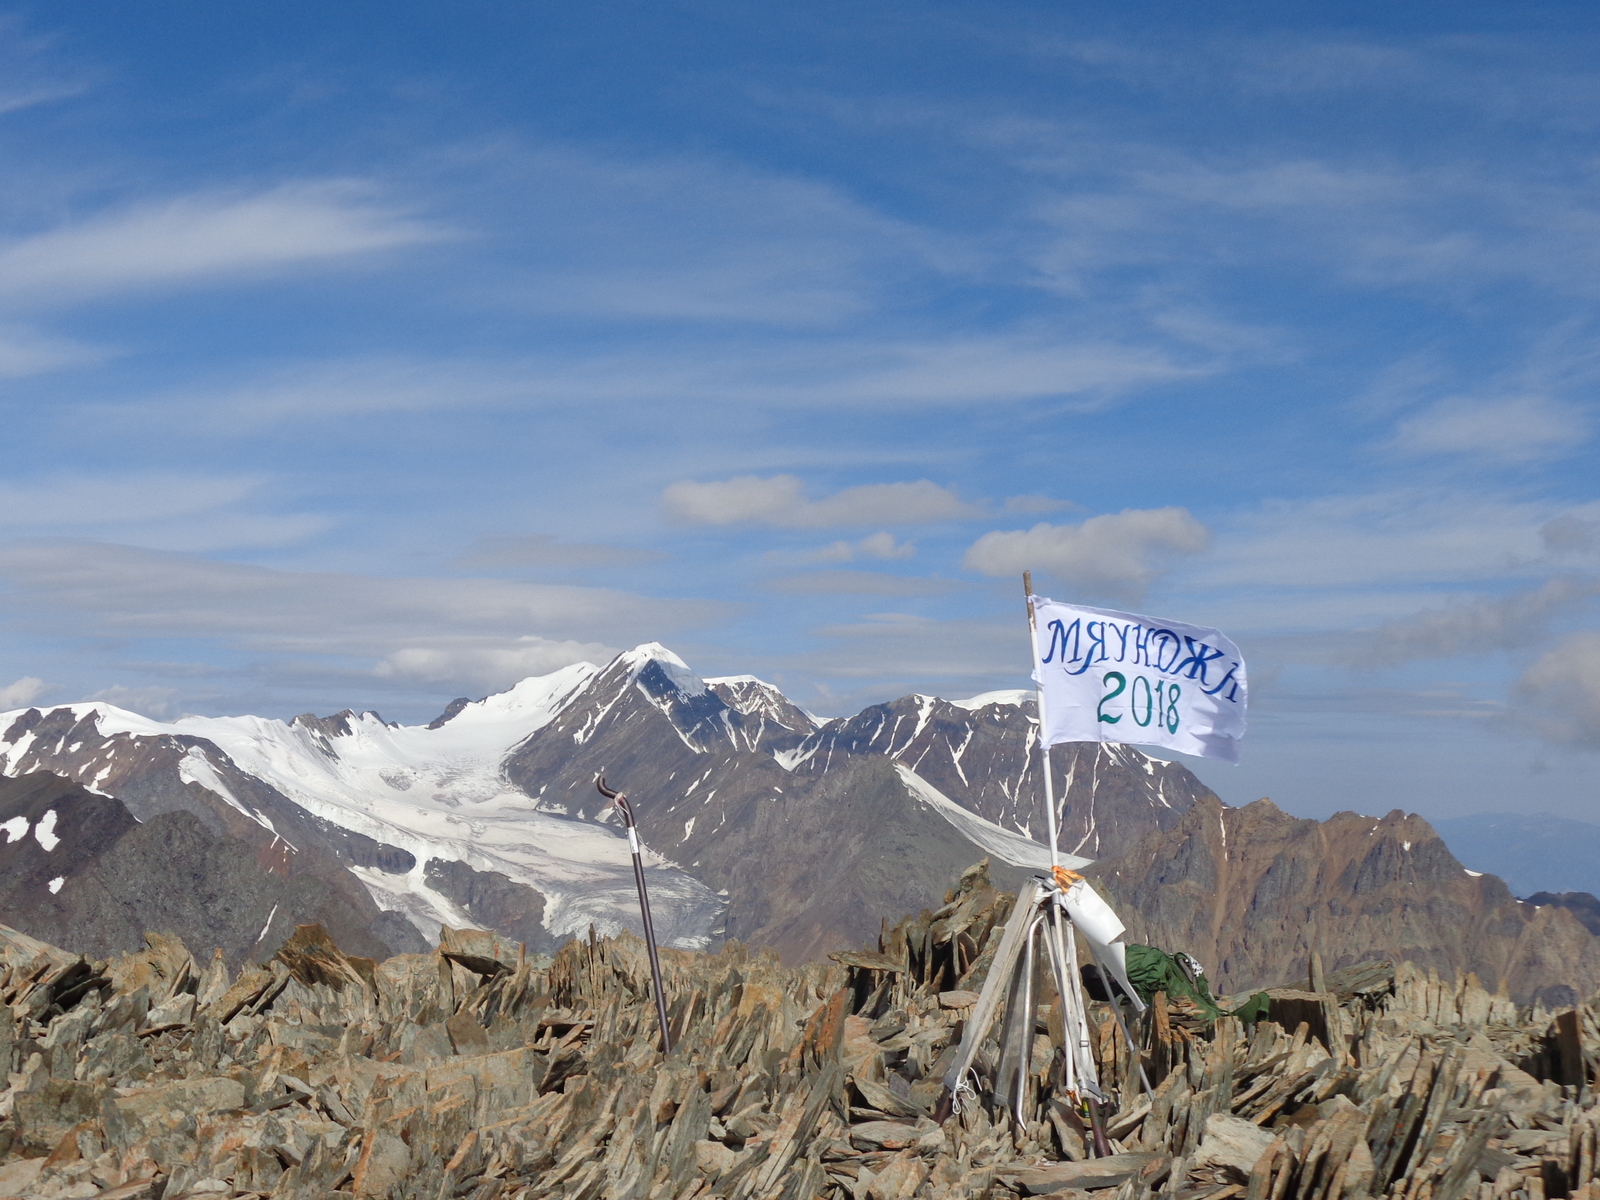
(374,355)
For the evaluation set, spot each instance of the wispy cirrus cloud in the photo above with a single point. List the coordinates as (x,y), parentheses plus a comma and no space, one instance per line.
(698,239)
(1512,429)
(1379,539)
(32,71)
(203,238)
(705,375)
(171,509)
(25,352)
(537,550)
(880,545)
(780,500)
(405,627)
(1473,626)
(860,583)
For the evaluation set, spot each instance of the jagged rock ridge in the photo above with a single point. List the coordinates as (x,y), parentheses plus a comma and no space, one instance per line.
(1253,891)
(474,1071)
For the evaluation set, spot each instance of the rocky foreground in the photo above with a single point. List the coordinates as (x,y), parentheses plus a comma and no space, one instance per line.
(476,1071)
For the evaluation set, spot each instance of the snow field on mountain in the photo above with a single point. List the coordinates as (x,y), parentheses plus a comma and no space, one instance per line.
(440,793)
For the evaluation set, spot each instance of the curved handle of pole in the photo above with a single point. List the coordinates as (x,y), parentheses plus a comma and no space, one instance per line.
(619,800)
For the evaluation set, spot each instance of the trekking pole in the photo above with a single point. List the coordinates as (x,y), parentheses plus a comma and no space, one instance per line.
(620,803)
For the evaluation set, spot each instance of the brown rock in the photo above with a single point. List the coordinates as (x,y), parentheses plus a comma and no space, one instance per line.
(1088,1175)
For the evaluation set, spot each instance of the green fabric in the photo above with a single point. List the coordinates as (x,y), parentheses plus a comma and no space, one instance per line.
(1151,971)
(1253,1009)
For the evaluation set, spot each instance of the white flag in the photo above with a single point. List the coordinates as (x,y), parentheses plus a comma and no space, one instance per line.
(1108,676)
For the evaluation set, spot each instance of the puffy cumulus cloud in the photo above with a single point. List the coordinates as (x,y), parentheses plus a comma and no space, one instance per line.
(780,500)
(1563,686)
(15,695)
(1118,555)
(201,238)
(1476,626)
(1510,429)
(488,665)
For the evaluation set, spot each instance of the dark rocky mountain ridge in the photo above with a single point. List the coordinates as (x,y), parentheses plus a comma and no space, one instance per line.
(986,758)
(83,872)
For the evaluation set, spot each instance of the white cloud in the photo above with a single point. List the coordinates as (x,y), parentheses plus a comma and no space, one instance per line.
(881,545)
(779,500)
(1115,554)
(1571,534)
(155,702)
(860,583)
(1454,227)
(24,352)
(353,388)
(162,509)
(202,237)
(1475,626)
(1511,429)
(701,375)
(1563,685)
(1378,539)
(535,550)
(694,239)
(31,73)
(415,625)
(1034,504)
(76,500)
(890,654)
(487,665)
(1013,367)
(15,695)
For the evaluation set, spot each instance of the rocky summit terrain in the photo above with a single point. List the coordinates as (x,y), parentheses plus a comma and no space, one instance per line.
(474,1070)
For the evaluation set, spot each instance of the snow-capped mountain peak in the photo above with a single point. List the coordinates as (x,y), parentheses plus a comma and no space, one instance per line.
(675,670)
(1014,697)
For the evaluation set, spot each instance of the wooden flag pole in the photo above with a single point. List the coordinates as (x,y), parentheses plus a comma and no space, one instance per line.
(1044,740)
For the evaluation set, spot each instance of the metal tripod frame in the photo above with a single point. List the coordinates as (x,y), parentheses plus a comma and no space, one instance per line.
(1037,918)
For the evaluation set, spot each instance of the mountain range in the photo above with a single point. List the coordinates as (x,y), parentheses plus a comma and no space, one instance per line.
(761,823)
